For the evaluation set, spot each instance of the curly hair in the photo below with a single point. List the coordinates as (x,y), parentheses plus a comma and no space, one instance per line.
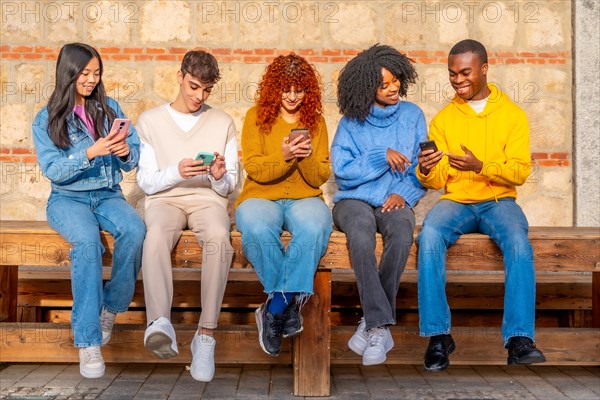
(361,78)
(283,73)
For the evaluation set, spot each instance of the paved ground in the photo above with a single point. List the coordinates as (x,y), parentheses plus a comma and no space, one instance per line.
(407,382)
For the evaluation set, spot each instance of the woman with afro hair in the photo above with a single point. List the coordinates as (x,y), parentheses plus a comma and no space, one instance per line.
(281,192)
(374,155)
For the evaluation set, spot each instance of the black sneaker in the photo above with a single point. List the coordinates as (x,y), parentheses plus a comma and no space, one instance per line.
(521,350)
(293,320)
(270,328)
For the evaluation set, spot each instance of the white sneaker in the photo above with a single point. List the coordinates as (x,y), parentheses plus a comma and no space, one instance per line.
(203,358)
(91,363)
(107,321)
(160,339)
(379,343)
(359,341)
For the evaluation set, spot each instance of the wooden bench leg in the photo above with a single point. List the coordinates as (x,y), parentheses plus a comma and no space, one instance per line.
(596,299)
(9,280)
(312,347)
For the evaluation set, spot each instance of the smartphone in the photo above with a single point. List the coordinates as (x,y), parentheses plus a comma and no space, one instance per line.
(298,132)
(429,144)
(121,126)
(206,157)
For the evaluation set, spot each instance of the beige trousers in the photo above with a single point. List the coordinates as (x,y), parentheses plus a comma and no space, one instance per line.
(165,221)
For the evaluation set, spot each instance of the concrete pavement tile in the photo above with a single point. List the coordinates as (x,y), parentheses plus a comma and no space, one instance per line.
(408,377)
(69,377)
(136,372)
(535,384)
(586,376)
(11,374)
(40,376)
(125,388)
(567,385)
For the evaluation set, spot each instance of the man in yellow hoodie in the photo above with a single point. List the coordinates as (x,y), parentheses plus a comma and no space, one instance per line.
(482,154)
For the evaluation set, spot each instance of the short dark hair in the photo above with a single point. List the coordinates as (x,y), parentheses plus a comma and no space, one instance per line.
(361,77)
(470,46)
(201,65)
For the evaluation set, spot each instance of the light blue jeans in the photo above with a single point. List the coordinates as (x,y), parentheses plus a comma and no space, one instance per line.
(507,226)
(280,269)
(78,217)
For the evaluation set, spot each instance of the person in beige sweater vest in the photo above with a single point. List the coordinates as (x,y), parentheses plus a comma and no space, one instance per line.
(185,193)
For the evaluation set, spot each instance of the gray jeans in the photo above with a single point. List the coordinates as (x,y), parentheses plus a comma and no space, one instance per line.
(377,287)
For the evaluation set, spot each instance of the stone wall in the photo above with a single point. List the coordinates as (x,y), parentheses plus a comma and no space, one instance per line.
(142,42)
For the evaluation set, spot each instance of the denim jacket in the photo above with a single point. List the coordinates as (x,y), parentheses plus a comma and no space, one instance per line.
(69,169)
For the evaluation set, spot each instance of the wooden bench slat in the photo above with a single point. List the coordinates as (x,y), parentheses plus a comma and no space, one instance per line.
(25,342)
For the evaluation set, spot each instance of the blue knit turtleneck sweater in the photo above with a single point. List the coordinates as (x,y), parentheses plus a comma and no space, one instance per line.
(359,150)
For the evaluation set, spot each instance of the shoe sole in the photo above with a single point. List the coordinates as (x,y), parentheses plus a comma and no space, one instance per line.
(379,360)
(292,334)
(443,367)
(160,344)
(258,318)
(530,359)
(91,373)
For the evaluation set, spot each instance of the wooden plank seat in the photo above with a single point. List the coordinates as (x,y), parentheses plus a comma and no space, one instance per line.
(35,301)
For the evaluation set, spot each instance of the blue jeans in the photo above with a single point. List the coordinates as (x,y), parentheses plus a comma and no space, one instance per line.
(280,269)
(78,217)
(507,226)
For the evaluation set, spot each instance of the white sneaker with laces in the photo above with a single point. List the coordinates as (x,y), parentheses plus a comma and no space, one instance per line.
(203,358)
(379,343)
(91,363)
(160,339)
(107,321)
(359,341)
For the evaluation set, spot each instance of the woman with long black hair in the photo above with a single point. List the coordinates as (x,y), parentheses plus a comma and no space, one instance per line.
(83,156)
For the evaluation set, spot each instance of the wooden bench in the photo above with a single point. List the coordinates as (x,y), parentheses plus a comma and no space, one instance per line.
(35,302)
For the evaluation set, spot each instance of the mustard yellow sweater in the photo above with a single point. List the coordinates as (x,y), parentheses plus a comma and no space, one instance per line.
(269,176)
(498,136)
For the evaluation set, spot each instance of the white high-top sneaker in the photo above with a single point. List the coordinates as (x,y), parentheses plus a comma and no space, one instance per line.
(203,358)
(379,343)
(91,363)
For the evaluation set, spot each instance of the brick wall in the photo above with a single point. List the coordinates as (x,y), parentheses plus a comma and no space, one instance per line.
(142,43)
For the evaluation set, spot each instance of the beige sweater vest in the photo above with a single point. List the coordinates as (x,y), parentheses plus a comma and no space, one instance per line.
(211,133)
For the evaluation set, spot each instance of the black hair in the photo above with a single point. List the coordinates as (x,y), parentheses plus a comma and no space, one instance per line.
(470,46)
(72,59)
(361,78)
(201,65)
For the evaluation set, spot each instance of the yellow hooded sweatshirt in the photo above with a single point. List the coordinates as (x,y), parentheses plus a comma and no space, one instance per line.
(498,137)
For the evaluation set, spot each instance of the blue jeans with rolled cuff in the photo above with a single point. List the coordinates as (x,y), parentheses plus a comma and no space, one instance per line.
(78,217)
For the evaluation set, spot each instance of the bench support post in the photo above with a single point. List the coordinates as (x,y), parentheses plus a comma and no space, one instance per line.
(596,299)
(9,282)
(312,348)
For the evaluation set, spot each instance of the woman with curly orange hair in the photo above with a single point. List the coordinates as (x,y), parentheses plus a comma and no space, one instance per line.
(281,192)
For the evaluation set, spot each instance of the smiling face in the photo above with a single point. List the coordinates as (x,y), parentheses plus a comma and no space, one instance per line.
(291,99)
(87,80)
(468,76)
(388,93)
(192,93)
